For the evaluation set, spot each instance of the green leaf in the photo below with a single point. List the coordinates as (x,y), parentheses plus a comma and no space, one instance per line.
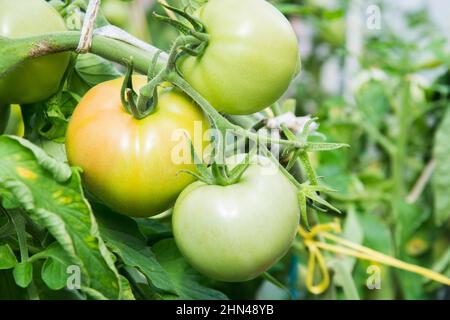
(354,233)
(344,265)
(52,122)
(127,293)
(410,218)
(54,274)
(411,284)
(373,102)
(441,176)
(310,191)
(442,263)
(346,281)
(89,71)
(377,236)
(154,230)
(59,171)
(122,235)
(54,270)
(51,193)
(7,258)
(23,274)
(181,274)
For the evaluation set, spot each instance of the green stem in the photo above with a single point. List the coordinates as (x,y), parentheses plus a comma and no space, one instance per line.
(267,276)
(15,51)
(276,109)
(19,224)
(179,42)
(218,120)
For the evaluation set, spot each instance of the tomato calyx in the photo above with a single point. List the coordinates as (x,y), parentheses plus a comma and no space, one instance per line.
(134,103)
(195,33)
(218,172)
(193,41)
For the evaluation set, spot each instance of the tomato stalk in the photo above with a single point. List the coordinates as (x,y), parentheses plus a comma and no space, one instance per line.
(148,94)
(19,224)
(16,51)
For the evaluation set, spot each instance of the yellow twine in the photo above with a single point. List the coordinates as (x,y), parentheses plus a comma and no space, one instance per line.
(351,249)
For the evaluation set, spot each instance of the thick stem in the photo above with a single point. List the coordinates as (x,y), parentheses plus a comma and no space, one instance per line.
(17,50)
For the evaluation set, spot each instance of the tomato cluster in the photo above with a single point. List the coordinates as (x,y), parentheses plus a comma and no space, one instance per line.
(229,232)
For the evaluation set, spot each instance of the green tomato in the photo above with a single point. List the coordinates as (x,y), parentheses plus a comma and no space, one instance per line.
(117,12)
(36,79)
(251,58)
(236,232)
(127,163)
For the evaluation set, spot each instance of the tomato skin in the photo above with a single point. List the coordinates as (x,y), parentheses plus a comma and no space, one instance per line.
(117,12)
(235,233)
(38,78)
(127,163)
(251,57)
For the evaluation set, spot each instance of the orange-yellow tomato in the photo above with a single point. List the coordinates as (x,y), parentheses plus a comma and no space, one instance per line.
(133,165)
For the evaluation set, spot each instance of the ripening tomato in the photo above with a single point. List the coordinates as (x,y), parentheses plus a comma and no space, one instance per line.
(36,79)
(129,164)
(251,57)
(236,232)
